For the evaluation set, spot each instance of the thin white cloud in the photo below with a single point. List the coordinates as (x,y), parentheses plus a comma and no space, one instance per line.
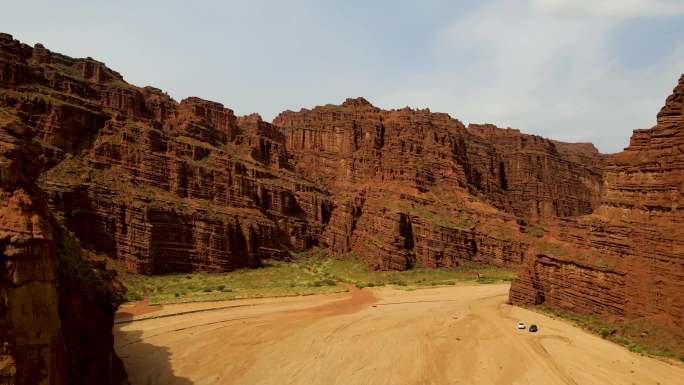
(558,77)
(572,70)
(609,8)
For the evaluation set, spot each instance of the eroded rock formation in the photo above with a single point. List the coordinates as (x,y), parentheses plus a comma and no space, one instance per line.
(161,186)
(415,187)
(627,258)
(164,186)
(56,308)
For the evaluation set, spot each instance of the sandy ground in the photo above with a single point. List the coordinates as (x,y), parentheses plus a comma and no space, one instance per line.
(452,335)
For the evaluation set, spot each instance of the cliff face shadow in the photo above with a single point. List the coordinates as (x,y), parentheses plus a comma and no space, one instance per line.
(145,363)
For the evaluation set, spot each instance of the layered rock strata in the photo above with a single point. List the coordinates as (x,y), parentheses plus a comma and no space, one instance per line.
(415,187)
(56,308)
(627,258)
(159,185)
(165,186)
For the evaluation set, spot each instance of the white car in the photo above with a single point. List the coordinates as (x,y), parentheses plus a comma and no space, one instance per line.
(521,325)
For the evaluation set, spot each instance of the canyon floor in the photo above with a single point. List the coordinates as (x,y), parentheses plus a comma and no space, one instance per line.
(462,334)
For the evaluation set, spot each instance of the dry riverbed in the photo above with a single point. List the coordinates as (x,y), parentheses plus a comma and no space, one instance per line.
(445,335)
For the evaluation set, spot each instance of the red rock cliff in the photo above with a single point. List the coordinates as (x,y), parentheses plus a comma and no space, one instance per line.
(161,186)
(416,187)
(56,309)
(164,186)
(627,258)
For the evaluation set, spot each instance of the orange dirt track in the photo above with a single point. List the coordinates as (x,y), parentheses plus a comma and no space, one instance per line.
(448,335)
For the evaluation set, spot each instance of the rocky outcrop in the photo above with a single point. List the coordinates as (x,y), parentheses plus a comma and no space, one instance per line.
(163,186)
(627,258)
(31,339)
(412,186)
(56,309)
(542,178)
(522,174)
(159,185)
(572,285)
(434,229)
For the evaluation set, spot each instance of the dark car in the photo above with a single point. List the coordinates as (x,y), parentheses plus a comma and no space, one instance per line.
(533,328)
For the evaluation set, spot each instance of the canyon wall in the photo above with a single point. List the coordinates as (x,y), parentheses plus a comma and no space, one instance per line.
(412,187)
(164,186)
(627,258)
(56,307)
(95,170)
(159,185)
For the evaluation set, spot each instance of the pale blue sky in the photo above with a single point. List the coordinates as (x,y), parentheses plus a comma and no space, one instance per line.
(574,70)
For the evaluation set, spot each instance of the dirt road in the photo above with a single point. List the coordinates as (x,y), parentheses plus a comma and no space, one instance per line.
(453,335)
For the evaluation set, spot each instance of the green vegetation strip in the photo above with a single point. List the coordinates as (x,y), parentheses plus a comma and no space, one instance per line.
(639,336)
(308,273)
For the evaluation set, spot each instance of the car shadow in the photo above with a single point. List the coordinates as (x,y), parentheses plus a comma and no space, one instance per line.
(145,363)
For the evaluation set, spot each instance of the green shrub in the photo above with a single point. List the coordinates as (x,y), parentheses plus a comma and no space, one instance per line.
(606,331)
(314,271)
(133,296)
(484,279)
(601,262)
